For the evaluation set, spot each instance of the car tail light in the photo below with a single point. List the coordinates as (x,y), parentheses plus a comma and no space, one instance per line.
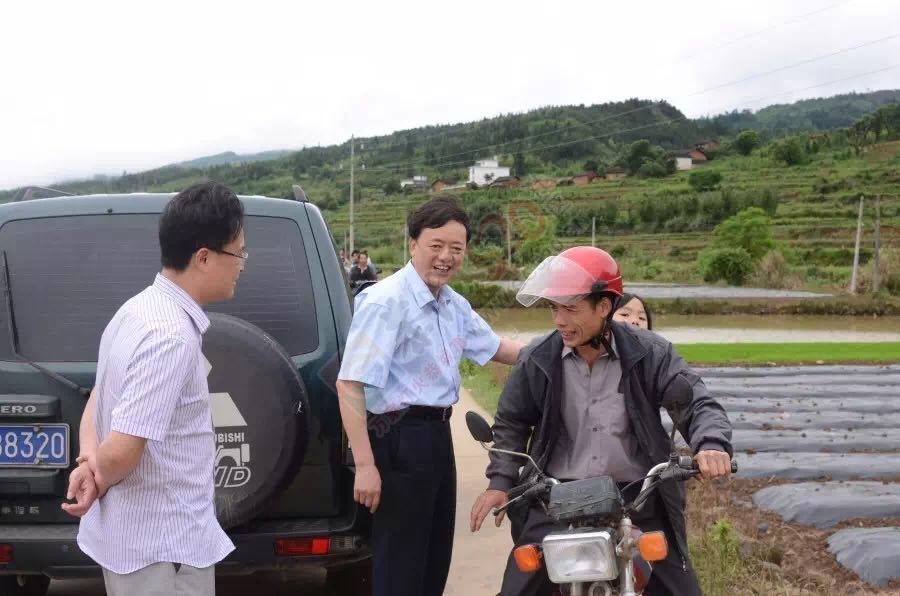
(298,547)
(6,553)
(304,547)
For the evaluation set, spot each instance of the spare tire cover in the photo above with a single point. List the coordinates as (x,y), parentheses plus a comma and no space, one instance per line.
(259,406)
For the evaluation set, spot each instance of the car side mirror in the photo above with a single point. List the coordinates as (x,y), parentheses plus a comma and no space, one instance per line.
(479,428)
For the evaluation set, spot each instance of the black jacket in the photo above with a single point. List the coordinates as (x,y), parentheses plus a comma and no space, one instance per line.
(357,274)
(529,414)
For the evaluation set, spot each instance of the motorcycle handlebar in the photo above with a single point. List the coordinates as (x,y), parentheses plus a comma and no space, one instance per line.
(523,492)
(696,467)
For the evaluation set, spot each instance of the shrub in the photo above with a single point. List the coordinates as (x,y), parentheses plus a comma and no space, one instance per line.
(889,273)
(704,179)
(482,296)
(772,272)
(746,142)
(652,169)
(790,152)
(386,255)
(750,230)
(733,265)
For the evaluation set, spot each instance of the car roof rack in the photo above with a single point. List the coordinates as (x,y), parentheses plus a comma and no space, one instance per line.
(27,193)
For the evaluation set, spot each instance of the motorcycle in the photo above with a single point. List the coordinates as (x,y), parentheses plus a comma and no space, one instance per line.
(600,543)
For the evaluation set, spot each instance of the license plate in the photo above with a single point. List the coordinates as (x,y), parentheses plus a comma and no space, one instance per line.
(34,445)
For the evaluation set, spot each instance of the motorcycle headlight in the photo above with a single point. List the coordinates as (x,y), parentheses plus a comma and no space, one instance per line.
(581,556)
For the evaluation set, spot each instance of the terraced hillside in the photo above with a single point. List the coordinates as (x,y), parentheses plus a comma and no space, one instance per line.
(814,220)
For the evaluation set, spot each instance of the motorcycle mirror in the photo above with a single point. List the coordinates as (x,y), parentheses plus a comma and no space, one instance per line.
(479,428)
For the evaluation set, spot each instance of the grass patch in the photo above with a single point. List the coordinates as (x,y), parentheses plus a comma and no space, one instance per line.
(790,353)
(484,382)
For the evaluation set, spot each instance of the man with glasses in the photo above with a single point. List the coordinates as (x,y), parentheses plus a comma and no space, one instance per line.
(145,483)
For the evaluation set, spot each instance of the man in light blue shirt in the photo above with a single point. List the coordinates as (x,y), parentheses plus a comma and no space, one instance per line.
(398,381)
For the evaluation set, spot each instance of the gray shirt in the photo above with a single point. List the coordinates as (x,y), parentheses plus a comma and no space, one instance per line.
(597,438)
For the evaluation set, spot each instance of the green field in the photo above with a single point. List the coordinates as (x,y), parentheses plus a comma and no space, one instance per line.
(790,353)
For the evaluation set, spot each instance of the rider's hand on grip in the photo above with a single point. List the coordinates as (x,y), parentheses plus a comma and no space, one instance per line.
(714,464)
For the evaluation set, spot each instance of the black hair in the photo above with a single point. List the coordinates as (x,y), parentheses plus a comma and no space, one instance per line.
(354,252)
(594,299)
(628,297)
(206,215)
(436,213)
(363,252)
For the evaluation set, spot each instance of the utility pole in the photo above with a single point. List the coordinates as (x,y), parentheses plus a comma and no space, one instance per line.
(405,241)
(508,241)
(594,231)
(856,252)
(876,278)
(351,193)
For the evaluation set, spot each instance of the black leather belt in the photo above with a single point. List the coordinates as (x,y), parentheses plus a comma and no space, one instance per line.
(428,413)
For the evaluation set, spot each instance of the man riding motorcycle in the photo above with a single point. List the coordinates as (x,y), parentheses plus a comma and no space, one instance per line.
(584,401)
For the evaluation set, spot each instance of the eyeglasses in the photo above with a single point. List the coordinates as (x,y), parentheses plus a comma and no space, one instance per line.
(243,255)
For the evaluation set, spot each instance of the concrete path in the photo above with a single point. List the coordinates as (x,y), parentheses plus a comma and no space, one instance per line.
(480,558)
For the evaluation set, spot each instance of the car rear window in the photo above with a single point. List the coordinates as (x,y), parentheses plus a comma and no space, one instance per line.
(69,275)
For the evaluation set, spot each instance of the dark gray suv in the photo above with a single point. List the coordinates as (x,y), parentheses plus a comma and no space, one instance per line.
(284,474)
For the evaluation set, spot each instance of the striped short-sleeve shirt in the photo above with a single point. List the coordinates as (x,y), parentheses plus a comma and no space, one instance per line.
(151,383)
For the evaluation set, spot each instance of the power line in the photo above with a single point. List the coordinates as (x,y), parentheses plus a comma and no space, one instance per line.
(520,140)
(796,64)
(684,118)
(463,126)
(791,20)
(806,61)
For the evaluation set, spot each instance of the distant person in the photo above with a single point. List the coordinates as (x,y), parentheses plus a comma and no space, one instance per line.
(361,271)
(354,256)
(633,310)
(147,439)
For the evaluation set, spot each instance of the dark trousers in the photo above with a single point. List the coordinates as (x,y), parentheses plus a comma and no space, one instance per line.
(670,577)
(412,530)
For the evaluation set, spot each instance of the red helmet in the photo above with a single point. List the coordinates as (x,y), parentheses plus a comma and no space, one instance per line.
(572,275)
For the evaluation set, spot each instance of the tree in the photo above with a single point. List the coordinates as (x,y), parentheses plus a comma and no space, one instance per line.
(392,187)
(750,230)
(733,265)
(648,161)
(746,142)
(519,165)
(635,156)
(652,169)
(591,165)
(704,179)
(789,151)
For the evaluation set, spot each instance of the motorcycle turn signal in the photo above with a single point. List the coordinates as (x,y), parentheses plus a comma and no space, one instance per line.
(528,558)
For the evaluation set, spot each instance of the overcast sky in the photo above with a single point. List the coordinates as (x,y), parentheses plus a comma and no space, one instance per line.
(100,87)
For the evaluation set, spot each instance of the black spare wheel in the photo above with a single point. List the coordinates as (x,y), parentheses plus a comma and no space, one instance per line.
(259,406)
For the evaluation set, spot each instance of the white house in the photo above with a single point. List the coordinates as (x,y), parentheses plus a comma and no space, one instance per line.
(487,170)
(683,163)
